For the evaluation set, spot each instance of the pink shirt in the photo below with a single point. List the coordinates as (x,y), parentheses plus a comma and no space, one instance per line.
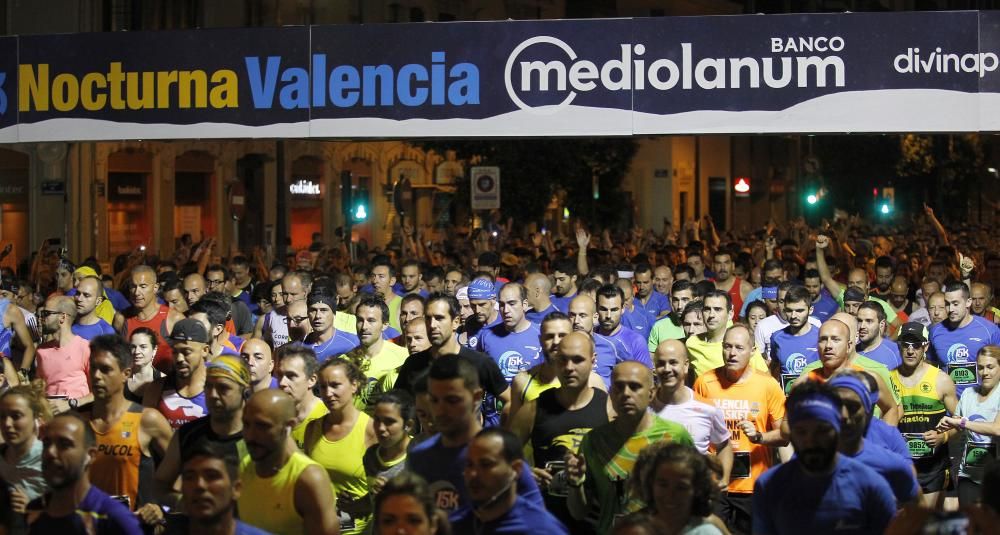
(65,368)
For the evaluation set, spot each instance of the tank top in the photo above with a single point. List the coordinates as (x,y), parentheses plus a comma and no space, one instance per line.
(737,298)
(179,410)
(269,503)
(119,462)
(817,373)
(534,388)
(164,358)
(558,430)
(979,450)
(193,434)
(6,333)
(344,460)
(922,410)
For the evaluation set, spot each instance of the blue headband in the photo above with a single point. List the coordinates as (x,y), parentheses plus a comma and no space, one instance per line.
(815,406)
(769,292)
(858,387)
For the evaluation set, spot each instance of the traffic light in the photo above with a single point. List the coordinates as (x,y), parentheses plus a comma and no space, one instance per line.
(885,208)
(359,206)
(812,199)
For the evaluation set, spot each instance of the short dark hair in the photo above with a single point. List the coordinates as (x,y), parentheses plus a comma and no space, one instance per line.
(513,449)
(213,450)
(756,303)
(555,315)
(642,268)
(522,291)
(956,286)
(684,268)
(373,301)
(589,285)
(226,273)
(681,286)
(382,261)
(302,351)
(403,400)
(239,260)
(454,308)
(449,367)
(771,265)
(719,294)
(884,262)
(812,274)
(566,266)
(413,297)
(610,291)
(798,294)
(874,307)
(114,345)
(410,262)
(212,307)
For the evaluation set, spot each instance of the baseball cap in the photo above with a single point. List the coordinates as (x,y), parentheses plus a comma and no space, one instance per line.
(913,331)
(482,289)
(189,330)
(853,295)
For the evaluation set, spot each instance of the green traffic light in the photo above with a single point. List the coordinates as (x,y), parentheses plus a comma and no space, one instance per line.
(812,199)
(360,213)
(885,208)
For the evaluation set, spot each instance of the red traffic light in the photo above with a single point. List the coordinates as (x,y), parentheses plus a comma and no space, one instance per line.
(742,186)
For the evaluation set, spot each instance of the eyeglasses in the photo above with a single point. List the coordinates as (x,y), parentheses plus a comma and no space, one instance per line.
(44,313)
(911,345)
(302,319)
(215,282)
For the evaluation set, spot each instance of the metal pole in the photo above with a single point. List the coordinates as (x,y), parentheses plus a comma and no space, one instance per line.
(281,225)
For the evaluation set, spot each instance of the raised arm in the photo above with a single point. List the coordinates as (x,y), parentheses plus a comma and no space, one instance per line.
(822,243)
(938,227)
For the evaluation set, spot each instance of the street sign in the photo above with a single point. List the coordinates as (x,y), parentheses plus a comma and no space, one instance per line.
(485,188)
(237,199)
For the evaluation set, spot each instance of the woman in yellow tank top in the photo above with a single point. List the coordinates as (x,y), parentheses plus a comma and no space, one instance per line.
(338,442)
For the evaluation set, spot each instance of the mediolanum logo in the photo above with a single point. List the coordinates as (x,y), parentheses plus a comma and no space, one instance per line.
(527,73)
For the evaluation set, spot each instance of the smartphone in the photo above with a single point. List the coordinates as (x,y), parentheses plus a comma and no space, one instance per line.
(544,231)
(947,523)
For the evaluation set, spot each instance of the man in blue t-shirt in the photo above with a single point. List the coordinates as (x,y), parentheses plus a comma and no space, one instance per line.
(819,490)
(796,345)
(582,315)
(70,445)
(955,342)
(325,339)
(634,317)
(441,459)
(495,459)
(514,344)
(564,275)
(823,304)
(856,397)
(871,343)
(483,299)
(610,305)
(652,302)
(89,295)
(539,290)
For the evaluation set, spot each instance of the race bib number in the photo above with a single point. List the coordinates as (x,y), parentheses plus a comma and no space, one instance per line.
(978,454)
(787,380)
(963,373)
(919,448)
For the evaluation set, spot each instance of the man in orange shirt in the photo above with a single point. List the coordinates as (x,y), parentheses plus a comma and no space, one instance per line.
(753,404)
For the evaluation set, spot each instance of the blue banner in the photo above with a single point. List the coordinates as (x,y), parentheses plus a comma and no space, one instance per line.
(854,72)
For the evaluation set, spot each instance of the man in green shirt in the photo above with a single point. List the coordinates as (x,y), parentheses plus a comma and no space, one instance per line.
(669,326)
(599,473)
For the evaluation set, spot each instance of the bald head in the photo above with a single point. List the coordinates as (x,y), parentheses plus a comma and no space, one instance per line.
(626,286)
(538,282)
(632,370)
(257,354)
(63,304)
(194,288)
(848,321)
(577,343)
(669,349)
(273,403)
(899,285)
(583,313)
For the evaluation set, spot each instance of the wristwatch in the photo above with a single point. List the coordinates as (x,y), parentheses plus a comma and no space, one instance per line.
(963,422)
(73,403)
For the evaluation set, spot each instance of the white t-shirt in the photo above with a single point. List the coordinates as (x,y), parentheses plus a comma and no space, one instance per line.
(705,423)
(770,325)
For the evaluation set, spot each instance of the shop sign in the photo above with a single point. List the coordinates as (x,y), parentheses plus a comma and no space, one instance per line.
(305,188)
(53,187)
(796,73)
(485,188)
(126,187)
(13,190)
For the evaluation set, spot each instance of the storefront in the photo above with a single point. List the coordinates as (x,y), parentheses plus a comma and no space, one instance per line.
(194,195)
(306,191)
(129,202)
(14,221)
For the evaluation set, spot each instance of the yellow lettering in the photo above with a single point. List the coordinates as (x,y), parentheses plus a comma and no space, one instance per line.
(115,79)
(199,80)
(133,86)
(32,90)
(226,93)
(90,101)
(65,92)
(163,81)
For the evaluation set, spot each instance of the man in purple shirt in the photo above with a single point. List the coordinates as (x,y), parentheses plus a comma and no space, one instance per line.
(610,305)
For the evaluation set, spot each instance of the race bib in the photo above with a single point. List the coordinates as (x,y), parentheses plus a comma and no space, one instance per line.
(978,454)
(963,373)
(787,380)
(919,448)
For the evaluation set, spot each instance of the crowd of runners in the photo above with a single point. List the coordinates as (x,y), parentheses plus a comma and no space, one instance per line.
(840,377)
